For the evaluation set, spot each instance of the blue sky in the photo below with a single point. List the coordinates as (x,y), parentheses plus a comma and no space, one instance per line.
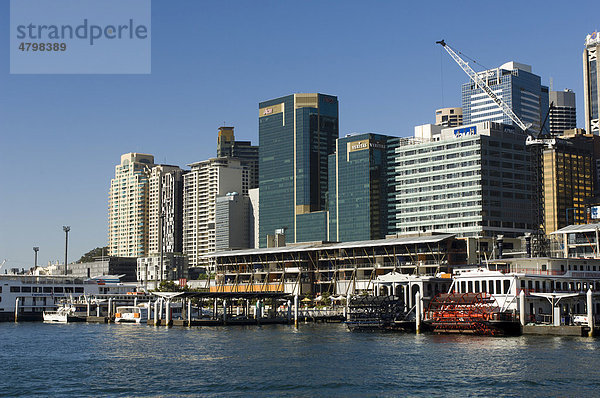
(213,62)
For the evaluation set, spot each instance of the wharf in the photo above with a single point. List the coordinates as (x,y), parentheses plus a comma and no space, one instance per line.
(219,322)
(563,330)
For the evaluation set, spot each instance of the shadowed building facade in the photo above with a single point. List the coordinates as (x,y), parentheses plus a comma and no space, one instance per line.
(358,188)
(297,133)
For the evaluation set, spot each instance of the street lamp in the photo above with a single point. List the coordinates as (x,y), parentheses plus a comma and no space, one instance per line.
(66,229)
(35,251)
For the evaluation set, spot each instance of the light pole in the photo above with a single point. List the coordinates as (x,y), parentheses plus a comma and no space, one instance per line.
(66,229)
(35,251)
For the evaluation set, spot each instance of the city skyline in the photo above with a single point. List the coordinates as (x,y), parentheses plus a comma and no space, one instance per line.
(62,135)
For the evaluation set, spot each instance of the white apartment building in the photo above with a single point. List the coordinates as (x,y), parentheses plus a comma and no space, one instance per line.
(128,206)
(201,186)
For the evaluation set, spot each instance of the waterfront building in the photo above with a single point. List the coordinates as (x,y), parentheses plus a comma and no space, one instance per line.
(201,186)
(247,153)
(28,296)
(473,180)
(337,268)
(517,86)
(150,274)
(101,266)
(253,196)
(234,227)
(449,117)
(358,188)
(591,83)
(128,208)
(297,133)
(568,179)
(563,114)
(577,241)
(166,209)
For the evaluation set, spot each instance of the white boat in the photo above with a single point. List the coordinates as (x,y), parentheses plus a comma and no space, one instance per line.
(131,314)
(61,315)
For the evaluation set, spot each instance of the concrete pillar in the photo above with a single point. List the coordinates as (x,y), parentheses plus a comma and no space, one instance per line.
(97,309)
(156,312)
(148,307)
(17,309)
(418,313)
(109,307)
(168,312)
(189,312)
(224,311)
(405,290)
(296,310)
(215,309)
(247,309)
(135,301)
(590,312)
(87,308)
(522,307)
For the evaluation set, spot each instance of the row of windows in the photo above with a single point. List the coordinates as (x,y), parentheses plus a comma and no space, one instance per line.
(45,289)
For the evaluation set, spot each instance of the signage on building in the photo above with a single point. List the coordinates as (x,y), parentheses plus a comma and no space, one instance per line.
(358,145)
(364,144)
(270,110)
(465,131)
(593,38)
(595,212)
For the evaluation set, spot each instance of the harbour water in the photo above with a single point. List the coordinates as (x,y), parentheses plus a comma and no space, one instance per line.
(39,359)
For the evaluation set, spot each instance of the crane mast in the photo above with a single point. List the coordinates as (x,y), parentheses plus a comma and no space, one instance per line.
(536,142)
(483,85)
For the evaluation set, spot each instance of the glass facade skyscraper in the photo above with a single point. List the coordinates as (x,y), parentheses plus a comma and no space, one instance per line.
(296,135)
(358,188)
(517,87)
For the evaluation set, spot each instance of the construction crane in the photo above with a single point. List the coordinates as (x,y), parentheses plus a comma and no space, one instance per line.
(535,141)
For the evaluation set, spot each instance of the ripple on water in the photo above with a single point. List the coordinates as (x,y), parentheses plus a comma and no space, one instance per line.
(326,360)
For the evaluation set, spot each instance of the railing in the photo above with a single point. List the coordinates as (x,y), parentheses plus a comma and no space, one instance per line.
(534,271)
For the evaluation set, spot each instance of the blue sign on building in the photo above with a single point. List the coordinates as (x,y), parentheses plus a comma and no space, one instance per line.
(465,131)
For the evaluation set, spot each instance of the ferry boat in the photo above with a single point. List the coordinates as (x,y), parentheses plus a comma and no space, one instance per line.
(28,296)
(132,314)
(554,292)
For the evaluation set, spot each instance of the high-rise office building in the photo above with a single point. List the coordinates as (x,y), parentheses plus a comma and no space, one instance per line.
(591,83)
(128,209)
(568,179)
(517,86)
(234,227)
(358,188)
(166,202)
(473,180)
(201,186)
(296,135)
(247,153)
(449,117)
(563,114)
